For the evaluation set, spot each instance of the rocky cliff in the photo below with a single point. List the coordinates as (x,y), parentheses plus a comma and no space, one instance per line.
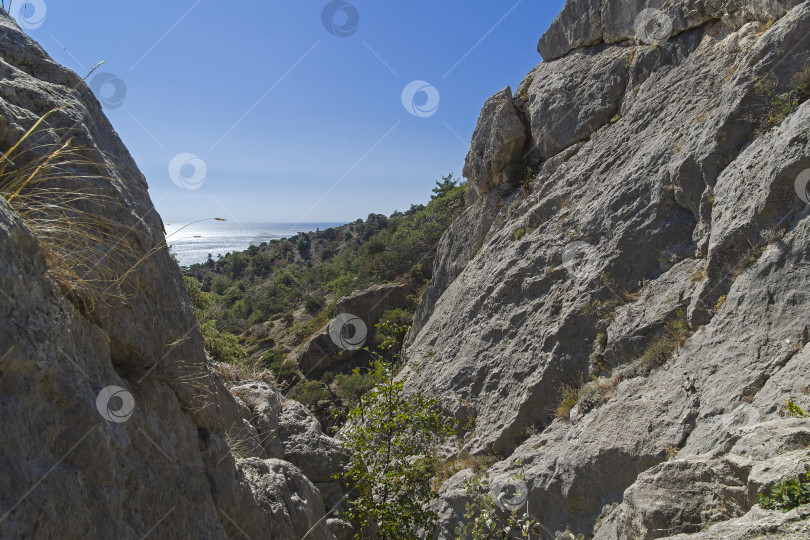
(618,315)
(638,236)
(114,422)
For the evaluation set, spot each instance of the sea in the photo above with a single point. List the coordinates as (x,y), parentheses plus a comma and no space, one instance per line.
(191,243)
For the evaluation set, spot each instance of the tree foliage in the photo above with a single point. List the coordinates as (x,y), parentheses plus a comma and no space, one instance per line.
(392,438)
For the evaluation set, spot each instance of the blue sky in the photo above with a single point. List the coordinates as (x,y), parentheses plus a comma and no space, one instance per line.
(288,120)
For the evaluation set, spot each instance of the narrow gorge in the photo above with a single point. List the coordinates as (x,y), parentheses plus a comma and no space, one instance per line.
(616,321)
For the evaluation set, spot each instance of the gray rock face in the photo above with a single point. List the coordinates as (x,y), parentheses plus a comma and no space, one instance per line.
(686,495)
(497,144)
(457,246)
(667,217)
(321,353)
(287,430)
(590,22)
(155,455)
(570,99)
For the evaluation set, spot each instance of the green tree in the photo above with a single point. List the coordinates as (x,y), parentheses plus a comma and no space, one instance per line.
(392,438)
(444,187)
(488,520)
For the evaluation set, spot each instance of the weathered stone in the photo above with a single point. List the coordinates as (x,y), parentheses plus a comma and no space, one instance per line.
(321,353)
(495,155)
(73,469)
(685,225)
(590,22)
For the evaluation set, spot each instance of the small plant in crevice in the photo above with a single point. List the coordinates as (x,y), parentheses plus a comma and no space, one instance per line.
(698,275)
(778,106)
(787,495)
(599,390)
(58,192)
(478,463)
(662,348)
(790,408)
(570,397)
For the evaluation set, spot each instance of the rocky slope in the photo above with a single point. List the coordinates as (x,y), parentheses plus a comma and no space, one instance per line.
(631,221)
(659,210)
(114,423)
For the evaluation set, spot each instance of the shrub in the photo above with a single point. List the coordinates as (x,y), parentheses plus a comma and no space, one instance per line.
(200,300)
(787,495)
(222,346)
(487,519)
(392,439)
(273,357)
(518,234)
(311,393)
(353,387)
(570,397)
(801,83)
(285,373)
(315,303)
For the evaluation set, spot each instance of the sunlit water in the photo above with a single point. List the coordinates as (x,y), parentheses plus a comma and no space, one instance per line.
(193,243)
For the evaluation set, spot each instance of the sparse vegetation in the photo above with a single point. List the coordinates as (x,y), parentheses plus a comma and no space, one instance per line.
(779,106)
(791,409)
(497,516)
(464,460)
(56,187)
(599,390)
(392,439)
(787,495)
(698,275)
(570,398)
